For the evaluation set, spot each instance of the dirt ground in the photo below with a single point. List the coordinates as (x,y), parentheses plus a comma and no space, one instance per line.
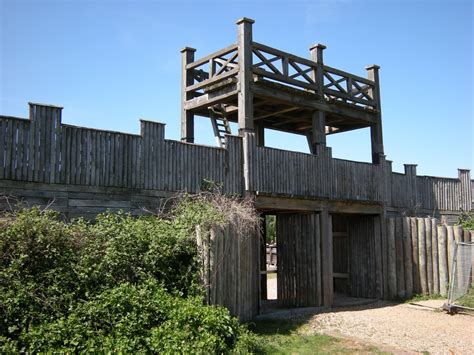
(400,328)
(397,328)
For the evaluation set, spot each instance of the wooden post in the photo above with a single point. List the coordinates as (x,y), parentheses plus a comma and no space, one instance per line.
(422,255)
(263,259)
(465,193)
(245,95)
(318,129)
(429,256)
(415,258)
(376,129)
(434,249)
(407,253)
(187,117)
(326,257)
(391,257)
(443,260)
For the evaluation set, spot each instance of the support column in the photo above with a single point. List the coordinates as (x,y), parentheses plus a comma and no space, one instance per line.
(376,129)
(187,118)
(326,257)
(245,95)
(318,129)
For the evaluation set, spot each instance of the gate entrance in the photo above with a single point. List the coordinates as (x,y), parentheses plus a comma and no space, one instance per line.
(356,247)
(299,261)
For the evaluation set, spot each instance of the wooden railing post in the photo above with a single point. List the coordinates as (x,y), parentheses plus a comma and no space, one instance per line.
(245,95)
(318,132)
(376,128)
(187,117)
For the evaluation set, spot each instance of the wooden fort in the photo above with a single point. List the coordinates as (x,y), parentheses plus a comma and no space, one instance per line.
(339,223)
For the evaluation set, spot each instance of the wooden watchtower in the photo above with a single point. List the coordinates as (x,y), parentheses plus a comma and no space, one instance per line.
(261,87)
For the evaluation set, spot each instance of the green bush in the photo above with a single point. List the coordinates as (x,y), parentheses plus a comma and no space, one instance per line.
(466,221)
(120,284)
(133,318)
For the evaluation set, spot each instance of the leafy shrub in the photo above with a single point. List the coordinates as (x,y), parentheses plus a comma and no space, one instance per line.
(120,284)
(466,221)
(132,318)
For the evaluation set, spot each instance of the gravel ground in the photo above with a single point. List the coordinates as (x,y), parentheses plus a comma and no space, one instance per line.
(400,328)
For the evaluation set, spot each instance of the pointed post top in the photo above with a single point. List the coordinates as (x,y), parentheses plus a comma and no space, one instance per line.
(245,20)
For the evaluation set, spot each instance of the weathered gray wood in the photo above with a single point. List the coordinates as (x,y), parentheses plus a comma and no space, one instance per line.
(407,253)
(245,95)
(399,256)
(443,260)
(435,256)
(391,257)
(326,257)
(451,242)
(429,256)
(422,255)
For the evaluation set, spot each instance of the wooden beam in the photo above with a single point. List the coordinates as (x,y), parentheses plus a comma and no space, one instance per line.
(326,257)
(275,113)
(268,90)
(187,117)
(376,135)
(245,95)
(282,203)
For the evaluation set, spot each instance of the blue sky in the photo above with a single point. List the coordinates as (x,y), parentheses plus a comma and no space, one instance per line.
(110,63)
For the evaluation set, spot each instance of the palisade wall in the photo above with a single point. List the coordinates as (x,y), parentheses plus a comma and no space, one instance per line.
(59,158)
(418,254)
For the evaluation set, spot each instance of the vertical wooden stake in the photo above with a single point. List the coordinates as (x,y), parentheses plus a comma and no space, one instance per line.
(318,129)
(245,95)
(326,256)
(376,129)
(187,118)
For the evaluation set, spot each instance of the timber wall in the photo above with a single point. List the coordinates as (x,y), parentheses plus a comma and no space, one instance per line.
(43,150)
(230,264)
(417,256)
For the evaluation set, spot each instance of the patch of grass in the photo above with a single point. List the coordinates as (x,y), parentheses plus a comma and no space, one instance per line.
(468,299)
(290,337)
(418,298)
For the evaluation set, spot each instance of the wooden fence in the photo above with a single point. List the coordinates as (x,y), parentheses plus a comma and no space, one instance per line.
(230,264)
(43,150)
(417,256)
(298,174)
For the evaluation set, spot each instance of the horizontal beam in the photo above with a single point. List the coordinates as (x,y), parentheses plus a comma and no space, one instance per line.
(282,203)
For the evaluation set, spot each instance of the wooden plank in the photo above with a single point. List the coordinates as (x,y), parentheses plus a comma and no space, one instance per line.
(391,257)
(451,242)
(399,258)
(435,256)
(407,253)
(326,257)
(443,260)
(429,256)
(422,255)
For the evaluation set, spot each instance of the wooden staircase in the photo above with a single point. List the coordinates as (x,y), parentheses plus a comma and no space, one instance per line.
(220,123)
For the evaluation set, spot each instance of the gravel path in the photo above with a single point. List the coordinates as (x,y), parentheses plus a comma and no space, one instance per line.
(400,327)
